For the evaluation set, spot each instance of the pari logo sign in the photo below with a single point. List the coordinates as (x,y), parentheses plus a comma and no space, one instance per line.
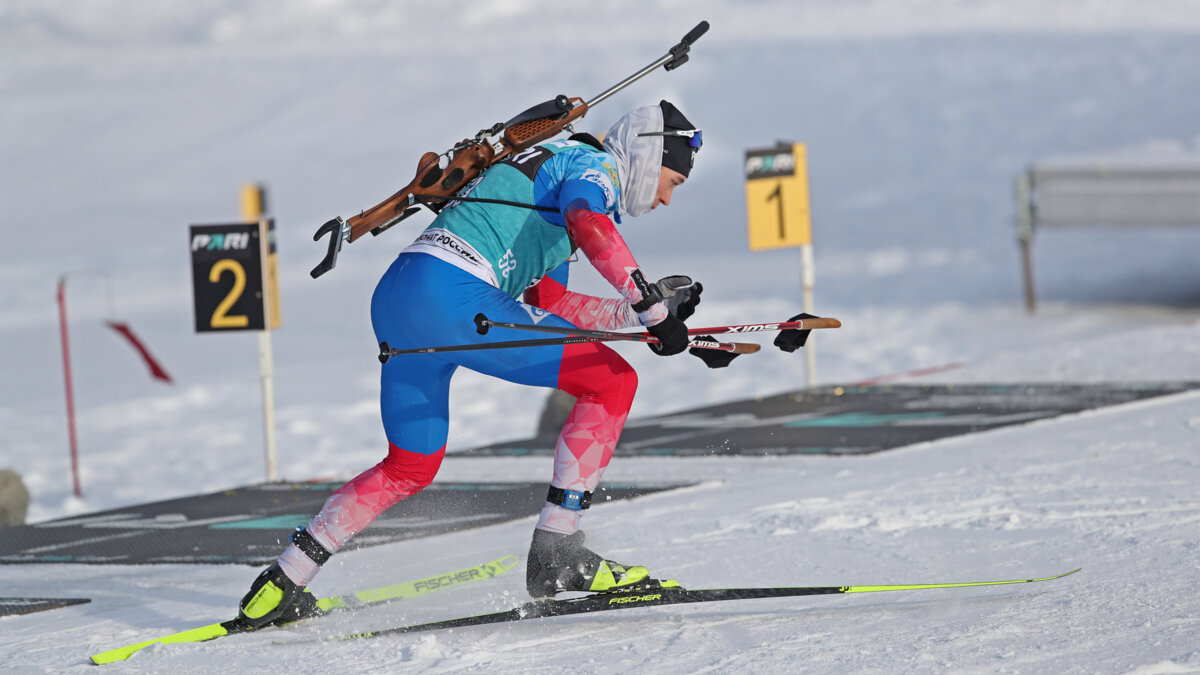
(765,164)
(220,241)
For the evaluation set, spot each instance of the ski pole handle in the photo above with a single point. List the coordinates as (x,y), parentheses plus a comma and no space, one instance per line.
(734,347)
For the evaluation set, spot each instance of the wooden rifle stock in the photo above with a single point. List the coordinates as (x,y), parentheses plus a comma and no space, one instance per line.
(431,182)
(435,184)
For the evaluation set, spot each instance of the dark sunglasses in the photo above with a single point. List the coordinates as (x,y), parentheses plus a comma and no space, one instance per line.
(695,139)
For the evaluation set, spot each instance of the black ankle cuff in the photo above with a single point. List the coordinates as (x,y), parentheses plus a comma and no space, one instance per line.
(569,499)
(310,546)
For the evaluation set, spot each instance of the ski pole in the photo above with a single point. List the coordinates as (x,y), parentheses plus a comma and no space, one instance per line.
(386,351)
(482,324)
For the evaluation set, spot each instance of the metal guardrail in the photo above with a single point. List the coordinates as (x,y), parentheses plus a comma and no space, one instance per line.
(1128,194)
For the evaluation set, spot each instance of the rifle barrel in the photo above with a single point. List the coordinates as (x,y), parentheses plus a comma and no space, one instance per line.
(628,81)
(679,51)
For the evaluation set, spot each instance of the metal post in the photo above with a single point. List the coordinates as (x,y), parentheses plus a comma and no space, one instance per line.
(266,368)
(808,280)
(66,351)
(1025,236)
(252,210)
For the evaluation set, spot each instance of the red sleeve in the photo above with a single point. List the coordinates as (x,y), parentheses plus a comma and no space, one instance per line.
(598,239)
(581,310)
(544,293)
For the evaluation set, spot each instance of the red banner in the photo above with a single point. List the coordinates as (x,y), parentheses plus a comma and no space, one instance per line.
(155,368)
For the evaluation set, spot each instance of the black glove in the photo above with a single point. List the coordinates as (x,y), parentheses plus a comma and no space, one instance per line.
(680,294)
(672,336)
(713,358)
(792,339)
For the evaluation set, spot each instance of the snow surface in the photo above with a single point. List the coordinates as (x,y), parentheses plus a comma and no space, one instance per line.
(122,122)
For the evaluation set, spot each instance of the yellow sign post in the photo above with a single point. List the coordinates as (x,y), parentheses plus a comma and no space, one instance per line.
(778,214)
(253,207)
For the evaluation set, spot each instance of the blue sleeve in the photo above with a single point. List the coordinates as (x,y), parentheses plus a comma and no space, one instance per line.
(577,192)
(572,180)
(561,273)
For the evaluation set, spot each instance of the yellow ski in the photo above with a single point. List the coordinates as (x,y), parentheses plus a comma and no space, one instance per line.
(374,596)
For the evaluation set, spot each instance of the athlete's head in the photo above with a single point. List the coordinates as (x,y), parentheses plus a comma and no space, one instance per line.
(655,147)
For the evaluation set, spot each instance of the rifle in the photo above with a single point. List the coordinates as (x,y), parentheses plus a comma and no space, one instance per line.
(439,177)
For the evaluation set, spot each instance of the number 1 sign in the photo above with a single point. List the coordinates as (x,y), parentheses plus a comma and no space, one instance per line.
(777,209)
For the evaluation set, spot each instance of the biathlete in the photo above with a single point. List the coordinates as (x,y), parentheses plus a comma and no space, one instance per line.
(506,237)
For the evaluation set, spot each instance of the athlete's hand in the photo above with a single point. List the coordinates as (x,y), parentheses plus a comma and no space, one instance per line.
(672,336)
(680,294)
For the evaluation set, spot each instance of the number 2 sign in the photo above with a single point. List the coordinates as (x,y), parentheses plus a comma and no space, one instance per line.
(228,276)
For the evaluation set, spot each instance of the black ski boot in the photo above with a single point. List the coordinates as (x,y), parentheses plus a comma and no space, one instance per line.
(274,598)
(558,562)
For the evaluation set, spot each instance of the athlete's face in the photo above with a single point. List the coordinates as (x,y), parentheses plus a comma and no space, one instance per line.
(668,180)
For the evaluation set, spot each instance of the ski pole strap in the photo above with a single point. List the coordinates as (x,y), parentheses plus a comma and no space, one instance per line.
(309,546)
(569,499)
(650,293)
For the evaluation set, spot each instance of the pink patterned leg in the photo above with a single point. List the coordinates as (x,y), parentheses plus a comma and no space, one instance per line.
(358,503)
(604,385)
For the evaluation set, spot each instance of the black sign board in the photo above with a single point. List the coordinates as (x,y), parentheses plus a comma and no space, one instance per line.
(770,162)
(227,276)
